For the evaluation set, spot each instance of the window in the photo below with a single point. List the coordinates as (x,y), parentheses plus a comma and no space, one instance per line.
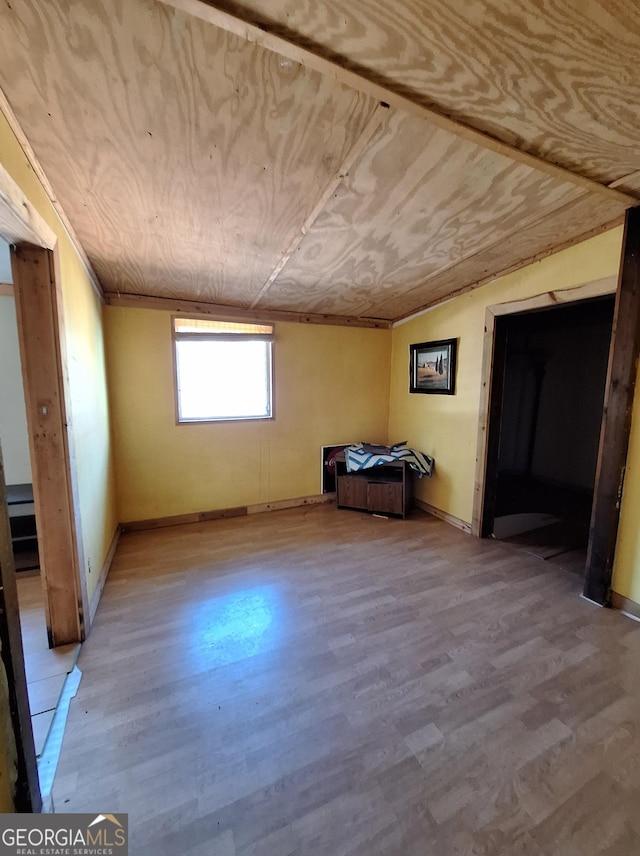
(223,370)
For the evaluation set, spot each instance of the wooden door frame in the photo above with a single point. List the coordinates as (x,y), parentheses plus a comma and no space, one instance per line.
(491,387)
(41,334)
(616,418)
(42,352)
(19,221)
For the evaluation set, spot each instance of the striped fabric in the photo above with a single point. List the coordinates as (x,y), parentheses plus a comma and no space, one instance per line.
(358,458)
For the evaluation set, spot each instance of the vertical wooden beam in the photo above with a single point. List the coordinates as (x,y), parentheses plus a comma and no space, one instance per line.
(616,417)
(484,425)
(498,365)
(15,718)
(354,153)
(48,423)
(80,579)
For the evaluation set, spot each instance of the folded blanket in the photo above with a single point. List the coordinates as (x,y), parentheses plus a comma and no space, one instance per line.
(359,458)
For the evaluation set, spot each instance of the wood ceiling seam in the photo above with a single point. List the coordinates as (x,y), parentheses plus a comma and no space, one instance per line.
(30,155)
(294,47)
(440,184)
(176,185)
(539,76)
(361,143)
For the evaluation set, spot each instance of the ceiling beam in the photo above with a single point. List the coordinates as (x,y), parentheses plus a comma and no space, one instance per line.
(238,313)
(359,146)
(311,55)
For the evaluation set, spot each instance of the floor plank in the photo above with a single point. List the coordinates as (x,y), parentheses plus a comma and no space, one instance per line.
(315,681)
(44,694)
(46,669)
(41,723)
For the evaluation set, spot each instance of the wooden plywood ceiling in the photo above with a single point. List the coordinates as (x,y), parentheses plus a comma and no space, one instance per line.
(360,161)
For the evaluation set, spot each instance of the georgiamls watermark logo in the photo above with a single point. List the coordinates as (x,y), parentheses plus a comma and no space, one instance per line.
(64,835)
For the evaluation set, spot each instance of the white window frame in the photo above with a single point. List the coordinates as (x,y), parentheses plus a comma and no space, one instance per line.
(262,332)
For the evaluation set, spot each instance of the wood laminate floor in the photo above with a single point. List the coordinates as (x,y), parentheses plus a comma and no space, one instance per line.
(318,681)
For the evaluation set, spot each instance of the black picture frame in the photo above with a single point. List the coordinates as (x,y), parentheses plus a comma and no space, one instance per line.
(432,367)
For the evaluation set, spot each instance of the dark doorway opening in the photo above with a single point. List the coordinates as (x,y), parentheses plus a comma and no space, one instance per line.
(550,373)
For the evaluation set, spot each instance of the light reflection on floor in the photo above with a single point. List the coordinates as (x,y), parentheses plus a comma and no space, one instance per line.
(236,626)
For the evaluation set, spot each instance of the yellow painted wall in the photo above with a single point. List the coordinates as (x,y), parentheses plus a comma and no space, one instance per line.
(331,386)
(447,426)
(87,374)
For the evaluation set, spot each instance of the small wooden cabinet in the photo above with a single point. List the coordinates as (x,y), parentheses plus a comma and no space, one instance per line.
(386,489)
